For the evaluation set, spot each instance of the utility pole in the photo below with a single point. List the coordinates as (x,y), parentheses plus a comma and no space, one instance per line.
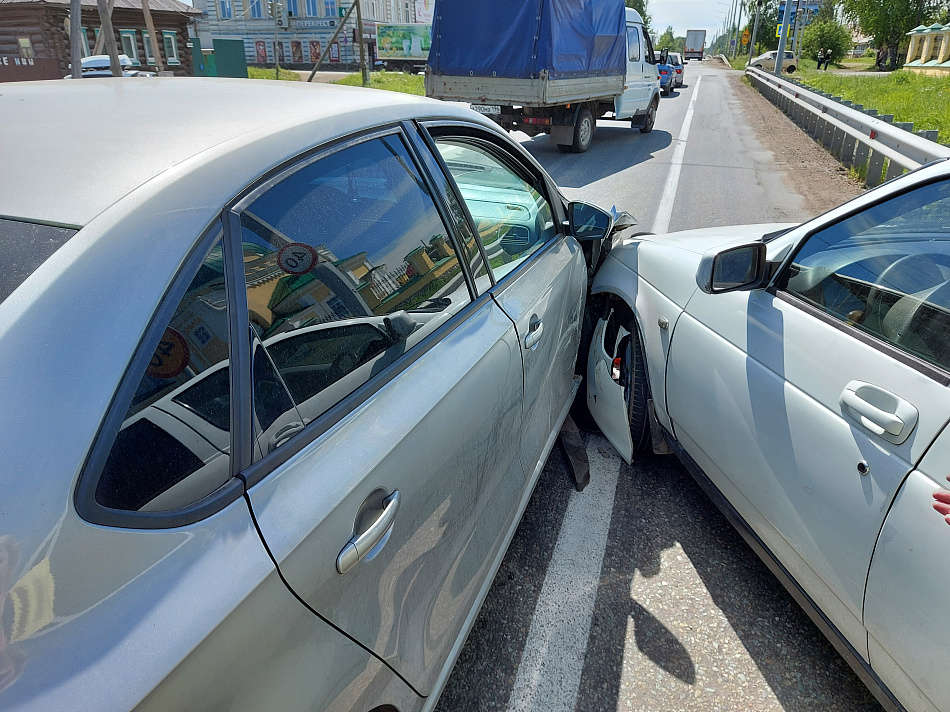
(755,29)
(275,9)
(336,34)
(75,43)
(101,39)
(735,47)
(364,65)
(106,21)
(779,58)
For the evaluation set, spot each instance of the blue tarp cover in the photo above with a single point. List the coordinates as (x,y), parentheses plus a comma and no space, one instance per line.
(519,38)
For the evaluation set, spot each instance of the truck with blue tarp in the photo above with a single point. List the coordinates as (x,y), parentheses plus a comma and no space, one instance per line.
(545,66)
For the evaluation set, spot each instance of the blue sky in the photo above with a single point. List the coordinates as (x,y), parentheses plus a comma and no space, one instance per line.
(687,15)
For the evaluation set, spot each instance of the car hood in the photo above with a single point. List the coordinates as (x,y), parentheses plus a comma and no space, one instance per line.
(669,262)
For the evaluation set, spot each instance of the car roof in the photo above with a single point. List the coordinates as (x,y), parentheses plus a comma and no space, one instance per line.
(79,147)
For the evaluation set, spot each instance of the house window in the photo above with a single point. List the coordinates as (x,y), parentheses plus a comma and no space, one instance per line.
(312,8)
(84,39)
(329,7)
(292,8)
(147,44)
(130,45)
(255,7)
(26,47)
(226,12)
(170,40)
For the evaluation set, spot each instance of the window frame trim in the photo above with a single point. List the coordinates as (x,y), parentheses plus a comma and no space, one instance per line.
(779,288)
(174,35)
(84,495)
(133,37)
(146,46)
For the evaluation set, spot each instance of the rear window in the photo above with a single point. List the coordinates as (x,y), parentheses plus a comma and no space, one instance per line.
(25,246)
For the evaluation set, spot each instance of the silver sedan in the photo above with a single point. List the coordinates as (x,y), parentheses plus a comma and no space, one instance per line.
(279,368)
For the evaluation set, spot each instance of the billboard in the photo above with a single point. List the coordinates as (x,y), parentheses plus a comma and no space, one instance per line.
(424,10)
(403,41)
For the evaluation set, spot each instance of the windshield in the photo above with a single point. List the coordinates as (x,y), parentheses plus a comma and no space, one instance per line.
(25,246)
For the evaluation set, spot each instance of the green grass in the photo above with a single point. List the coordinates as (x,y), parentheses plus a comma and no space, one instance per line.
(923,100)
(286,75)
(389,81)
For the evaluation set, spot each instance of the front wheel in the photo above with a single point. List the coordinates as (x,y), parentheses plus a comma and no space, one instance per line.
(790,70)
(650,119)
(406,68)
(636,391)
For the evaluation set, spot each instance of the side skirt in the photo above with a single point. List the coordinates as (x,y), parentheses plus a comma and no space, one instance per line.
(861,668)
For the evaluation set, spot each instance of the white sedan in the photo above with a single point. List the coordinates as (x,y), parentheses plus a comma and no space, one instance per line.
(801,373)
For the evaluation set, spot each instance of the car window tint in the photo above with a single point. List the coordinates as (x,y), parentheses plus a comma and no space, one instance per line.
(512,217)
(886,270)
(25,246)
(633,44)
(348,265)
(172,448)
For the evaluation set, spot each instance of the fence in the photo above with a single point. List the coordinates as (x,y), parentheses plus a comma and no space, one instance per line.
(854,136)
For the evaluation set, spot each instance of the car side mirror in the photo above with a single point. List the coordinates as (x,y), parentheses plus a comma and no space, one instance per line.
(588,222)
(734,269)
(664,56)
(623,221)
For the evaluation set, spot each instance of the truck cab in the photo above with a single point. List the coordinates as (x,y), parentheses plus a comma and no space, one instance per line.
(641,94)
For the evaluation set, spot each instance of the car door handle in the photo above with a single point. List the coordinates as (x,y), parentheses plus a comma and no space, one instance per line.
(535,330)
(358,547)
(880,411)
(283,435)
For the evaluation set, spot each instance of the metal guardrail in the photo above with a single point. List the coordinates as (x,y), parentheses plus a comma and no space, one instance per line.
(851,135)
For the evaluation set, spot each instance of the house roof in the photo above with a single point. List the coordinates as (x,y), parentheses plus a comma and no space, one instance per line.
(154,5)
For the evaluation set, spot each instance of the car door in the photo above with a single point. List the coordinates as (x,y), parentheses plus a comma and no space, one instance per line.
(539,273)
(908,585)
(808,403)
(635,85)
(377,512)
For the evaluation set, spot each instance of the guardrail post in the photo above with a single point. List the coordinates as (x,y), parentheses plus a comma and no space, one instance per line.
(827,135)
(861,155)
(875,169)
(894,169)
(906,125)
(847,151)
(930,134)
(889,118)
(836,140)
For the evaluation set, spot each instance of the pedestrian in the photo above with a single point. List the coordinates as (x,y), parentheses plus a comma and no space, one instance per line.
(881,57)
(827,58)
(821,56)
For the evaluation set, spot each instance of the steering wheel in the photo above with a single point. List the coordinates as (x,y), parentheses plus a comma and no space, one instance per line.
(909,274)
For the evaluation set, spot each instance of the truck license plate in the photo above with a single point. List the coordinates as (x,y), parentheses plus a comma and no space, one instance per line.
(486,108)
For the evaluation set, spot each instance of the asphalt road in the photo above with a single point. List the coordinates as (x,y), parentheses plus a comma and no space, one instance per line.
(636,594)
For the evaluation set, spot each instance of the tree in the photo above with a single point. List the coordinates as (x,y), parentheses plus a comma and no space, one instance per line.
(641,7)
(666,39)
(826,35)
(888,21)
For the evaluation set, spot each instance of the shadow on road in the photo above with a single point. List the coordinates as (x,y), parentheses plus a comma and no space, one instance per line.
(658,505)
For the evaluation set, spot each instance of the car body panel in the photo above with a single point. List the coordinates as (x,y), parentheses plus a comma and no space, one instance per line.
(449,444)
(907,584)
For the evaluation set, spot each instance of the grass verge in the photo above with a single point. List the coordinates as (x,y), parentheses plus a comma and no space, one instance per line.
(388,81)
(909,96)
(286,75)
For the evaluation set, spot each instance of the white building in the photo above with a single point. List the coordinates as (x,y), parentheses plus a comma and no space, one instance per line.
(303,27)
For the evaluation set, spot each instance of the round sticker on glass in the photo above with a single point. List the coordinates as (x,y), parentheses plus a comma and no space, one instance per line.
(297,258)
(171,356)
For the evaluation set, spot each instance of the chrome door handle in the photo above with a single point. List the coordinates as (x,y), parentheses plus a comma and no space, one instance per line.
(535,329)
(359,546)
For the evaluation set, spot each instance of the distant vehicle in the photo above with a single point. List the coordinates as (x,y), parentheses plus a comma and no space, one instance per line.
(767,61)
(556,85)
(404,48)
(676,60)
(99,65)
(695,44)
(667,76)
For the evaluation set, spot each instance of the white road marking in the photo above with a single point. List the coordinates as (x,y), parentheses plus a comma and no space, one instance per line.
(553,658)
(664,212)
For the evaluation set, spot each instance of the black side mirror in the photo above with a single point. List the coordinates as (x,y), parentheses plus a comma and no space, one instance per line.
(588,222)
(664,56)
(733,269)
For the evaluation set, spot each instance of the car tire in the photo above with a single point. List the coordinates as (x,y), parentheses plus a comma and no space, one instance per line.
(583,131)
(406,68)
(637,389)
(790,70)
(650,118)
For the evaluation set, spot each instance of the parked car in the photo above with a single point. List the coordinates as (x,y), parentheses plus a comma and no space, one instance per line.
(801,373)
(273,395)
(99,65)
(667,73)
(767,61)
(676,60)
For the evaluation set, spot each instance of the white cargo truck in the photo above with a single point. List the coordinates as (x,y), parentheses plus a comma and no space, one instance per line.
(589,60)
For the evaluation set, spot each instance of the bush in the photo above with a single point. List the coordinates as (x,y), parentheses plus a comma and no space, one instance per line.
(826,35)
